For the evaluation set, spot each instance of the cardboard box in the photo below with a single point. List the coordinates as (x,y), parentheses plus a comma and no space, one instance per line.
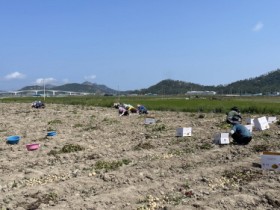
(150,121)
(221,138)
(270,160)
(271,119)
(250,121)
(249,127)
(183,131)
(261,123)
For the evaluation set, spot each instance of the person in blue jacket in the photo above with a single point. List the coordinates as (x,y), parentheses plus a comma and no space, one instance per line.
(142,109)
(240,134)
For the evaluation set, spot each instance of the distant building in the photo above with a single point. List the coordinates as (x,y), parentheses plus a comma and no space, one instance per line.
(201,93)
(150,94)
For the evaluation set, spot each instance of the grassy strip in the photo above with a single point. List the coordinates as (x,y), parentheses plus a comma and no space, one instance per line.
(217,104)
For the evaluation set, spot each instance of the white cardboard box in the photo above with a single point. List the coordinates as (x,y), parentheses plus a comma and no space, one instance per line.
(222,138)
(150,121)
(249,127)
(271,119)
(270,160)
(261,123)
(184,131)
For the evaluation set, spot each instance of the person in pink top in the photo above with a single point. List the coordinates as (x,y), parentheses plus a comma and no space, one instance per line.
(123,111)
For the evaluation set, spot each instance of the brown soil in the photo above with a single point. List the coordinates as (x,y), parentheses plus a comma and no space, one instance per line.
(99,160)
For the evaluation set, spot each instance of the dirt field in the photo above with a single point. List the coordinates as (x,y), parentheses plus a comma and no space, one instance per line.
(99,160)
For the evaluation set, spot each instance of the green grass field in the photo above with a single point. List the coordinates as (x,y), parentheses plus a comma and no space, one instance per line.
(216,104)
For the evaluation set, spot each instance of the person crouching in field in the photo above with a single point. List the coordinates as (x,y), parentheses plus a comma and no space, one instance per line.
(142,109)
(38,105)
(240,134)
(123,111)
(233,113)
(130,108)
(116,105)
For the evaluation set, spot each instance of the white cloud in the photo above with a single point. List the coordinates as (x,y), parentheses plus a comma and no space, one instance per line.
(91,77)
(259,26)
(15,75)
(41,81)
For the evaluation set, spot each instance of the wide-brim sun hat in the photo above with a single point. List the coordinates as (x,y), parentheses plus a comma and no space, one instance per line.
(235,108)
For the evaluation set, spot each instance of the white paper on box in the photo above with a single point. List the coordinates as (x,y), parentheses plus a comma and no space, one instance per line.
(261,123)
(270,160)
(222,138)
(249,127)
(150,121)
(271,119)
(184,131)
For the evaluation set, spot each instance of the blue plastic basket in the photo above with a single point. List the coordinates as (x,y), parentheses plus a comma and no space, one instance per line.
(51,133)
(13,139)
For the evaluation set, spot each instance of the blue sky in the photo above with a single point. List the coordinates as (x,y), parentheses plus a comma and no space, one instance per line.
(129,44)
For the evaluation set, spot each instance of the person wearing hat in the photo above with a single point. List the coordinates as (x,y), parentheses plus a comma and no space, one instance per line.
(233,113)
(142,109)
(130,108)
(116,105)
(240,134)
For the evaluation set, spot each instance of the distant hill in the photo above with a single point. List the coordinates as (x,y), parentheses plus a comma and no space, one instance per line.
(32,87)
(170,87)
(267,84)
(37,87)
(87,87)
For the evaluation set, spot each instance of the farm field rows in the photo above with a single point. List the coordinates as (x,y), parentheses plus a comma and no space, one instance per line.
(99,160)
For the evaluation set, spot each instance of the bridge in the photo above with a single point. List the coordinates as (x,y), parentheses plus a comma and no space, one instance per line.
(44,92)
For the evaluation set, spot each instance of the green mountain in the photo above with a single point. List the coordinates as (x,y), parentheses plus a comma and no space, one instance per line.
(266,84)
(37,87)
(33,87)
(86,87)
(170,87)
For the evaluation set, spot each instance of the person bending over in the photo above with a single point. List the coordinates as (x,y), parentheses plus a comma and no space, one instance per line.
(142,109)
(240,134)
(233,113)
